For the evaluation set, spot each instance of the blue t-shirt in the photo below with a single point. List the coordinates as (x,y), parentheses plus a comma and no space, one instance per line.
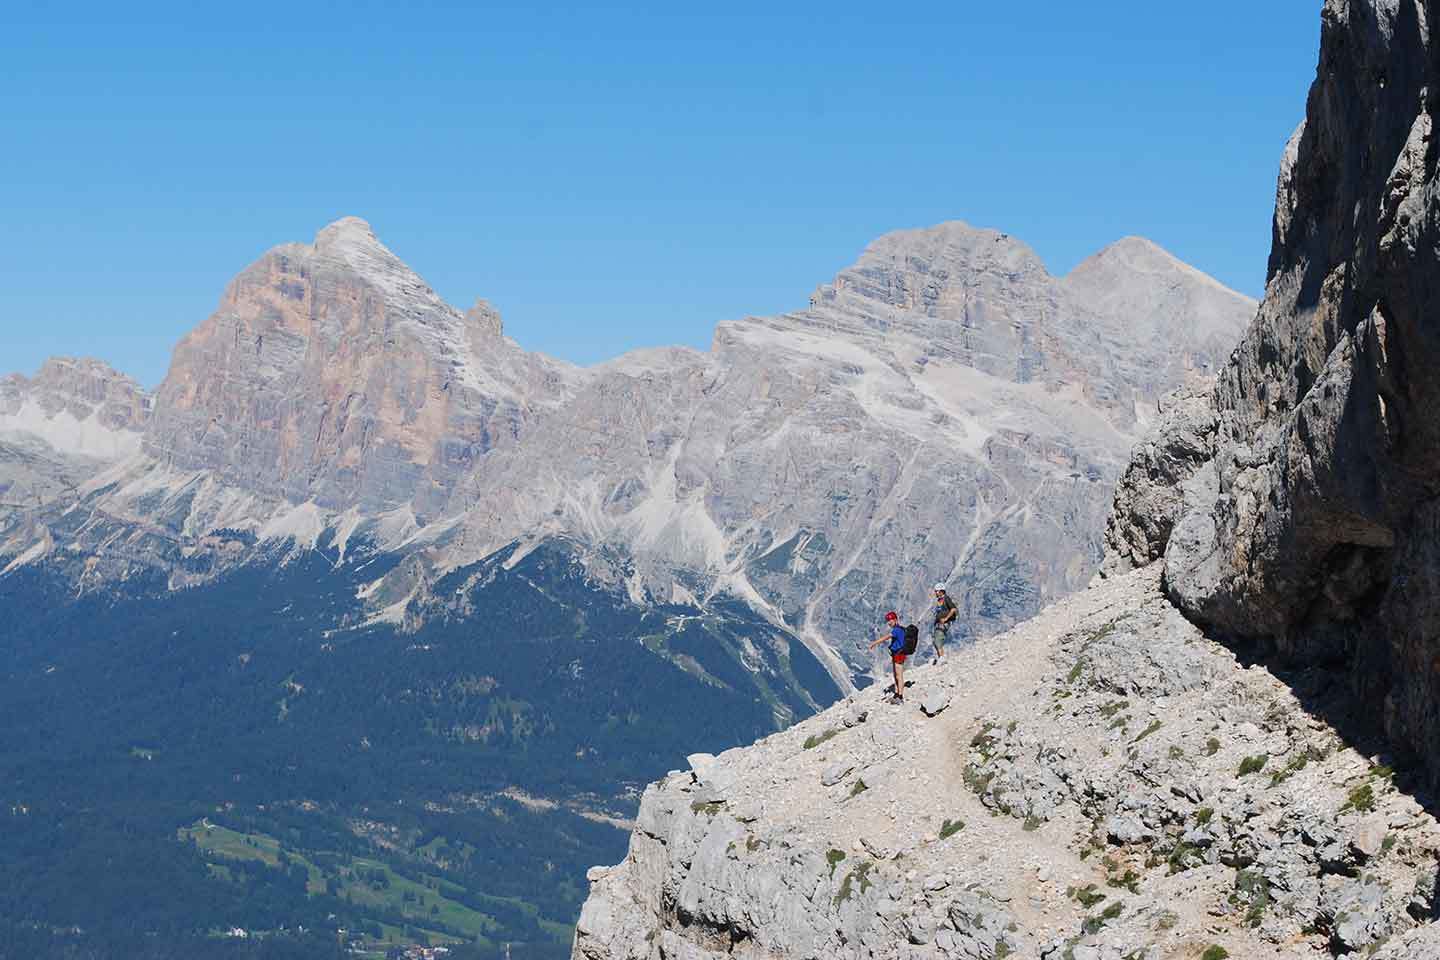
(897,638)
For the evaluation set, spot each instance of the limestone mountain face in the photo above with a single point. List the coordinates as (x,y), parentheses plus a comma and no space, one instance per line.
(59,428)
(1301,490)
(1101,782)
(332,374)
(944,409)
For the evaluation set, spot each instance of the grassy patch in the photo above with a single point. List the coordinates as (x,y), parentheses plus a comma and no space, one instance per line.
(949,828)
(1176,753)
(814,740)
(1180,856)
(1361,799)
(976,779)
(709,808)
(1113,707)
(1294,766)
(985,741)
(1252,891)
(1212,747)
(1087,896)
(1092,925)
(1148,730)
(1215,952)
(1129,881)
(858,788)
(1031,824)
(1204,815)
(1253,764)
(429,904)
(858,877)
(834,858)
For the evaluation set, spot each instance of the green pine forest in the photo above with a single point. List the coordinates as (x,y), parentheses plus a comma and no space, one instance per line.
(178,766)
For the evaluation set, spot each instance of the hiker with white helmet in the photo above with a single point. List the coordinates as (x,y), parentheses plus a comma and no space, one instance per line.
(945,614)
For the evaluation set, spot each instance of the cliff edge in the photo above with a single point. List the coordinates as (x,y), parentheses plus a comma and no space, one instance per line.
(1296,502)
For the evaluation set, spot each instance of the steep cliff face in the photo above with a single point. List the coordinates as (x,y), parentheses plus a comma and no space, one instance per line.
(1302,497)
(332,373)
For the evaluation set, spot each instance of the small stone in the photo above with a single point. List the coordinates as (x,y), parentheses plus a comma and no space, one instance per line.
(935,702)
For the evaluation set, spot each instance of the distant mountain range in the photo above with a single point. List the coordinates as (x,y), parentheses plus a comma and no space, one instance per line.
(365,598)
(945,409)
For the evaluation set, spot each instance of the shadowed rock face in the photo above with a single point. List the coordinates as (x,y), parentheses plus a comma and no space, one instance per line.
(1307,517)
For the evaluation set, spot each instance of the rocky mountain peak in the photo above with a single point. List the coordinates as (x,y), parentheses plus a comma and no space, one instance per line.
(485,320)
(78,406)
(347,233)
(334,373)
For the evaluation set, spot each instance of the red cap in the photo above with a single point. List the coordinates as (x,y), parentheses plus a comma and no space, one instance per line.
(892,615)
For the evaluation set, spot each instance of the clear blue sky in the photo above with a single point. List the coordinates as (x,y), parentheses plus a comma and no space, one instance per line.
(614,176)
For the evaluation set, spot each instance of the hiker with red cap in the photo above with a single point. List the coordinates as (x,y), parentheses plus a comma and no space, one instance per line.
(899,641)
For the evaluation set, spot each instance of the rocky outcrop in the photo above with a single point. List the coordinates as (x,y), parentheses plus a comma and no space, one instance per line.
(1303,500)
(77,406)
(1104,782)
(61,427)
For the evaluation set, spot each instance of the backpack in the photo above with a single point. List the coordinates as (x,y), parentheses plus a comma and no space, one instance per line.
(912,639)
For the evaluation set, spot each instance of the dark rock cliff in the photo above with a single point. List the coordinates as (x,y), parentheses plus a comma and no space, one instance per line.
(1299,506)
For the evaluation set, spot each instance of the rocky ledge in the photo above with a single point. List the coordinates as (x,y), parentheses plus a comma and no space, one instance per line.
(1100,783)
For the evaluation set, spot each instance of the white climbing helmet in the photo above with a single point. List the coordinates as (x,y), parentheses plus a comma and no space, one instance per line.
(939,588)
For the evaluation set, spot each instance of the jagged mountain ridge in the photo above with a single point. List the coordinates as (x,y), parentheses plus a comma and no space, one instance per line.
(945,408)
(62,426)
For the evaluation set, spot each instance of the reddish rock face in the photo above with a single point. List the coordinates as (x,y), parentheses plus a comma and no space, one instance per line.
(333,373)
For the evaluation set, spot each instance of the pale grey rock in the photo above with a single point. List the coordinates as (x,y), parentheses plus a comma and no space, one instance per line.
(835,773)
(935,702)
(1066,760)
(59,429)
(1422,943)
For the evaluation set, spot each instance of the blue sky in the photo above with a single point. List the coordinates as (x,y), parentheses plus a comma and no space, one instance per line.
(614,176)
